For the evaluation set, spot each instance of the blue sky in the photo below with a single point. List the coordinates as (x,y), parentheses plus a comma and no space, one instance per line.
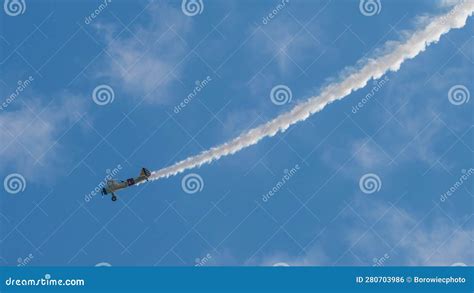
(410,138)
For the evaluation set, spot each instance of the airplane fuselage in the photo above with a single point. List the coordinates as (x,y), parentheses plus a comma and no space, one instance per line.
(113,185)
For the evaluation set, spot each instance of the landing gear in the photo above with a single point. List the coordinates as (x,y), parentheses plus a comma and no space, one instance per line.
(114,198)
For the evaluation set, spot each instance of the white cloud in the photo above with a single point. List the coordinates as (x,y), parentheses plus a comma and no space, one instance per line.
(369,155)
(431,241)
(286,41)
(144,59)
(443,245)
(434,241)
(448,3)
(30,136)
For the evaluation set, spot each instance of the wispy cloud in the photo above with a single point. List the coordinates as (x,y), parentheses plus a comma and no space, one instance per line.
(32,135)
(401,239)
(413,240)
(145,59)
(448,3)
(285,42)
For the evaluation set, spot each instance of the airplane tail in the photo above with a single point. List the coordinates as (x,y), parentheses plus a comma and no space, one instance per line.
(145,172)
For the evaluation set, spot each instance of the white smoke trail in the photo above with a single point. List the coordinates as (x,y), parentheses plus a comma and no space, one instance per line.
(373,69)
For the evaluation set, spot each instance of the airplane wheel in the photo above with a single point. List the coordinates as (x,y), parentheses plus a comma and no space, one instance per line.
(114,198)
